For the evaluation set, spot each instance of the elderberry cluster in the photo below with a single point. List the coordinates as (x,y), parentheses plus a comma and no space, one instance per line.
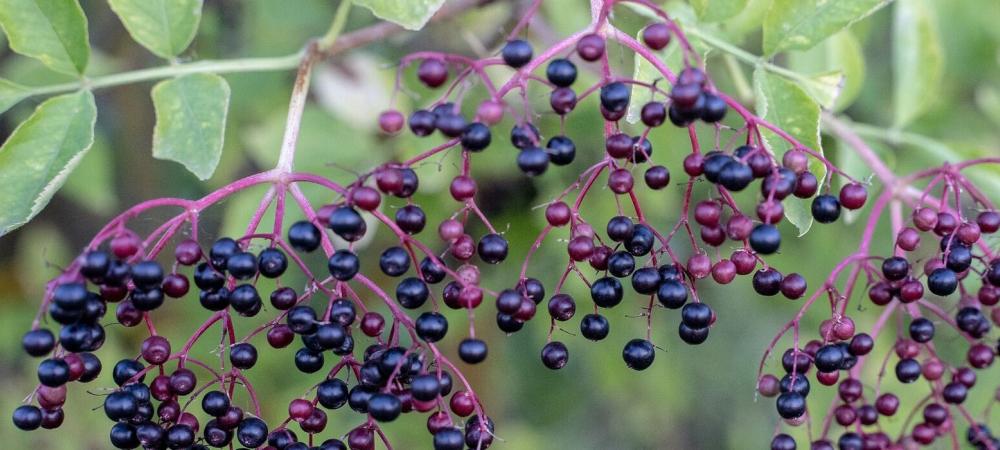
(661,265)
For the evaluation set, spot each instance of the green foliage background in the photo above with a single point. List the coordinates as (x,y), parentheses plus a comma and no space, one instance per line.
(692,397)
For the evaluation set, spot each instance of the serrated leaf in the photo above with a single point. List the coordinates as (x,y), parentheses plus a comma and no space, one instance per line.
(191,121)
(918,60)
(51,31)
(40,154)
(785,104)
(801,24)
(165,27)
(10,94)
(716,10)
(409,14)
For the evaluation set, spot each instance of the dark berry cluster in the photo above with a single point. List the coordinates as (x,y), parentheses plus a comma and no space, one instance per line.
(402,369)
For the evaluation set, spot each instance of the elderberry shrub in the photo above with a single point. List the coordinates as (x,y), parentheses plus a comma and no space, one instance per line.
(398,365)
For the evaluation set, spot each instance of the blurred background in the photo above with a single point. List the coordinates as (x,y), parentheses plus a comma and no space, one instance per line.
(693,397)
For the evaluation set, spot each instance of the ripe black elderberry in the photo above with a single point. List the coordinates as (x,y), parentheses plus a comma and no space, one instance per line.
(516,53)
(472,350)
(825,208)
(615,97)
(561,72)
(555,355)
(594,327)
(638,354)
(561,150)
(765,239)
(476,137)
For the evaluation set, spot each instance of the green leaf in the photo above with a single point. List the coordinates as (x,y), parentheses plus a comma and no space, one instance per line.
(801,24)
(165,27)
(10,94)
(191,121)
(716,10)
(824,88)
(51,31)
(92,183)
(41,153)
(918,60)
(838,67)
(785,104)
(409,14)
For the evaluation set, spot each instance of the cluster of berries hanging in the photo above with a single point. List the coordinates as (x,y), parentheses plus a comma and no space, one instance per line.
(387,366)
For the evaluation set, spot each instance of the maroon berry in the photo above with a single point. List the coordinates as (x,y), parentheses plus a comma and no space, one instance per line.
(724,271)
(450,229)
(796,160)
(700,266)
(175,285)
(372,324)
(619,146)
(656,36)
(125,245)
(366,198)
(853,196)
(707,213)
(490,112)
(590,47)
(693,164)
(391,121)
(744,260)
(462,188)
(768,385)
(653,114)
(657,177)
(432,72)
(925,219)
(806,185)
(988,221)
(558,214)
(908,239)
(580,248)
(620,181)
(155,350)
(793,286)
(946,224)
(187,252)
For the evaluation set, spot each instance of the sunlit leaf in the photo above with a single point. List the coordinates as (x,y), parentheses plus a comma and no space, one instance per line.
(191,121)
(51,31)
(801,24)
(918,60)
(165,27)
(410,14)
(38,157)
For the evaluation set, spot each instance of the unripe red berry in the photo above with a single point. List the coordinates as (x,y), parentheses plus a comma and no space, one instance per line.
(925,219)
(462,188)
(744,260)
(450,230)
(796,160)
(366,198)
(620,181)
(432,72)
(853,196)
(656,36)
(699,266)
(908,239)
(693,164)
(490,112)
(558,214)
(590,47)
(391,121)
(724,271)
